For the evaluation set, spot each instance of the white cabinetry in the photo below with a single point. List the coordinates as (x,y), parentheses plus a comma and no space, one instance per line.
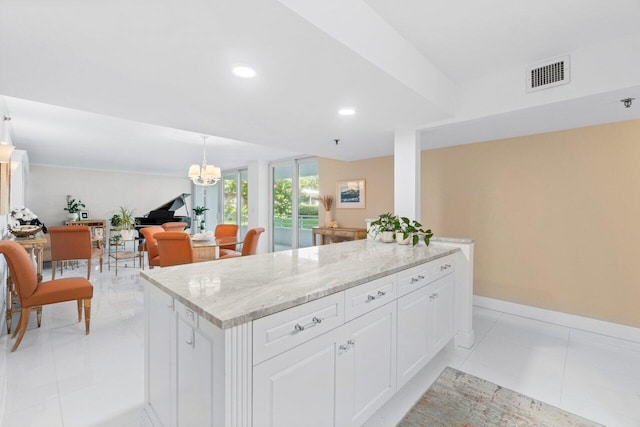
(425,325)
(159,373)
(336,379)
(366,365)
(180,354)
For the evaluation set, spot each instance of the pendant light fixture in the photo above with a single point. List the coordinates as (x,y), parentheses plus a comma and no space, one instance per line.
(204,175)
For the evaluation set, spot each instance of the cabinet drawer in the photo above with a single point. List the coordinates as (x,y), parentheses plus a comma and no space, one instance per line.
(413,278)
(281,331)
(441,267)
(369,296)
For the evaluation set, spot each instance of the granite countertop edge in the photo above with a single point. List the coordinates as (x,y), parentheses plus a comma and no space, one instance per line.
(284,305)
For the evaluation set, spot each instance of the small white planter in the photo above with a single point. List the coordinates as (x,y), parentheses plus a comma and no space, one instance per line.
(402,241)
(72,216)
(387,237)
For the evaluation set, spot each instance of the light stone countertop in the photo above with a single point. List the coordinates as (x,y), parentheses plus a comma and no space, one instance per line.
(238,290)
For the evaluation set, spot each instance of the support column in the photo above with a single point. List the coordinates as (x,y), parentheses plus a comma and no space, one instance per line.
(258,177)
(406,171)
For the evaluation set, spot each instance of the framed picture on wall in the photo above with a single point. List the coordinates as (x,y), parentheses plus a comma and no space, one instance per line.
(351,194)
(84,215)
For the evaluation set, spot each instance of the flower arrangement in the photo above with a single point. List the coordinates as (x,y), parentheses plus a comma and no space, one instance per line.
(24,223)
(23,215)
(327,201)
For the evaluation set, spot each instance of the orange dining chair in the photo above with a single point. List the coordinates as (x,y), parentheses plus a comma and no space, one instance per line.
(250,244)
(73,242)
(33,294)
(174,226)
(174,248)
(224,231)
(153,258)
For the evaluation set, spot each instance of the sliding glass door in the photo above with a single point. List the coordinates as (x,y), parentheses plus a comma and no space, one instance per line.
(235,208)
(294,207)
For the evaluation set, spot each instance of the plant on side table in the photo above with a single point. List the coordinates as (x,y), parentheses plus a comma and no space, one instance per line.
(123,222)
(200,223)
(73,207)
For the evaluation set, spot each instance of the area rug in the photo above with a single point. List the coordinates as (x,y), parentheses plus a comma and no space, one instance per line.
(457,399)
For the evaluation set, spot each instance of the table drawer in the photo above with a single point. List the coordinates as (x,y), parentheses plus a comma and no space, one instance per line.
(286,329)
(343,233)
(369,296)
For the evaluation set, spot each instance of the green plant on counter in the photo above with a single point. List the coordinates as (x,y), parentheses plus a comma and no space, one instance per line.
(413,229)
(386,222)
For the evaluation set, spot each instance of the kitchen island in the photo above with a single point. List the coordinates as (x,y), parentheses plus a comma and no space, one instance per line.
(316,336)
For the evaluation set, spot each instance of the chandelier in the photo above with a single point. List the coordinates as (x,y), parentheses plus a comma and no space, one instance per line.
(206,174)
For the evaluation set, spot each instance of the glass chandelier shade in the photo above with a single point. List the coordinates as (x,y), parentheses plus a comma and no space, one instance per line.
(204,174)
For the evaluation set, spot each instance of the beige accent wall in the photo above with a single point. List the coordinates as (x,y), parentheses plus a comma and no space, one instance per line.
(378,173)
(101,191)
(556,217)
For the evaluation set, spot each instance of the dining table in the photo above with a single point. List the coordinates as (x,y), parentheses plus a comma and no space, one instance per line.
(209,249)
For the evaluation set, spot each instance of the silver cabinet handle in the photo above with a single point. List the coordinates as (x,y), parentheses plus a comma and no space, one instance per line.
(314,322)
(350,344)
(432,297)
(442,268)
(191,339)
(417,279)
(380,294)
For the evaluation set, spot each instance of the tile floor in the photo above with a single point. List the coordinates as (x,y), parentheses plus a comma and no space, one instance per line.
(60,377)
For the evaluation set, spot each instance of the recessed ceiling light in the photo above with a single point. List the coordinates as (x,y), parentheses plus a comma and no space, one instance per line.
(244,72)
(346,111)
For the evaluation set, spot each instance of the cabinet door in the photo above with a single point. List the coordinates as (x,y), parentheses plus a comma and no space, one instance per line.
(444,312)
(415,311)
(195,375)
(366,365)
(159,370)
(297,388)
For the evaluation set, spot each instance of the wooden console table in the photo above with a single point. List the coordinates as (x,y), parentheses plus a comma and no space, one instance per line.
(340,233)
(35,246)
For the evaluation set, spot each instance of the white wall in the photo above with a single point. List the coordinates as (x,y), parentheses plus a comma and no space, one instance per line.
(102,192)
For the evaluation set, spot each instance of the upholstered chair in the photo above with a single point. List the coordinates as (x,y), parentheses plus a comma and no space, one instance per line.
(153,258)
(174,248)
(174,226)
(32,294)
(224,231)
(70,243)
(250,244)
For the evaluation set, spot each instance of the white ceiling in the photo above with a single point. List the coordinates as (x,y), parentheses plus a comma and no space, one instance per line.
(85,82)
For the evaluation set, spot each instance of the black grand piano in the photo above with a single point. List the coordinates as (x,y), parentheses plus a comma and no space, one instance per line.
(165,213)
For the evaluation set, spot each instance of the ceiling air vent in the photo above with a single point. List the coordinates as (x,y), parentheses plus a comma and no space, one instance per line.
(548,74)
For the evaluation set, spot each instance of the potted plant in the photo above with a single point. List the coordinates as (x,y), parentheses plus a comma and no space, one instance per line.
(200,223)
(386,226)
(123,222)
(73,207)
(411,231)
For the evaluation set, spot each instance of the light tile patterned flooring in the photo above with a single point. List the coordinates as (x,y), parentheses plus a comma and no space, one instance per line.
(60,377)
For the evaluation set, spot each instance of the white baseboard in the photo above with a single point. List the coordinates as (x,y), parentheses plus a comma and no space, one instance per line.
(615,330)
